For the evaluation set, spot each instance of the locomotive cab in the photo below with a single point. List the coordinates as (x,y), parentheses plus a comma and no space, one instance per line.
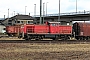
(52,23)
(53,27)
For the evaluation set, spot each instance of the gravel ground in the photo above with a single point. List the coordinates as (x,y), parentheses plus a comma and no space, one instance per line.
(10,38)
(39,51)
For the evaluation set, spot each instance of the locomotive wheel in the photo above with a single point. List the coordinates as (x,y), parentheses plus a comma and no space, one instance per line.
(78,38)
(64,39)
(56,39)
(37,39)
(26,39)
(20,36)
(53,38)
(84,38)
(87,38)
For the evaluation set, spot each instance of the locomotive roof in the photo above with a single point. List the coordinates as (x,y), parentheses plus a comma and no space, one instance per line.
(26,17)
(55,22)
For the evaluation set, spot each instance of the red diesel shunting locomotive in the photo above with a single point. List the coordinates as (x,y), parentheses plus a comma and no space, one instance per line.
(49,30)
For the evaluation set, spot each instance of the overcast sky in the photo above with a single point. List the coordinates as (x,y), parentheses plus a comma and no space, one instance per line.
(52,6)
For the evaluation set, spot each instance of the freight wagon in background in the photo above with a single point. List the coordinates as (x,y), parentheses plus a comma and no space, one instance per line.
(81,30)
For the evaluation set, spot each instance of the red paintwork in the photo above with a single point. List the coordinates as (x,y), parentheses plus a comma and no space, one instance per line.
(65,29)
(13,29)
(28,28)
(84,29)
(52,29)
(35,28)
(60,29)
(41,29)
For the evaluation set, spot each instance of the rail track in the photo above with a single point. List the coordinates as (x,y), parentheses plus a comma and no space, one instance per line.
(48,41)
(17,40)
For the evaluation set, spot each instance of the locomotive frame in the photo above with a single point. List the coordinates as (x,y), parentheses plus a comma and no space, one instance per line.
(50,30)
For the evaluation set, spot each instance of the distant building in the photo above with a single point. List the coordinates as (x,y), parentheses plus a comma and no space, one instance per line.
(19,19)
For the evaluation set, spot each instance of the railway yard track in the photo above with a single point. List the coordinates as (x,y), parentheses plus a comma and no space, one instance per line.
(46,41)
(17,40)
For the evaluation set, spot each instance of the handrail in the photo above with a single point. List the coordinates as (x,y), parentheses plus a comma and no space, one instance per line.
(61,14)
